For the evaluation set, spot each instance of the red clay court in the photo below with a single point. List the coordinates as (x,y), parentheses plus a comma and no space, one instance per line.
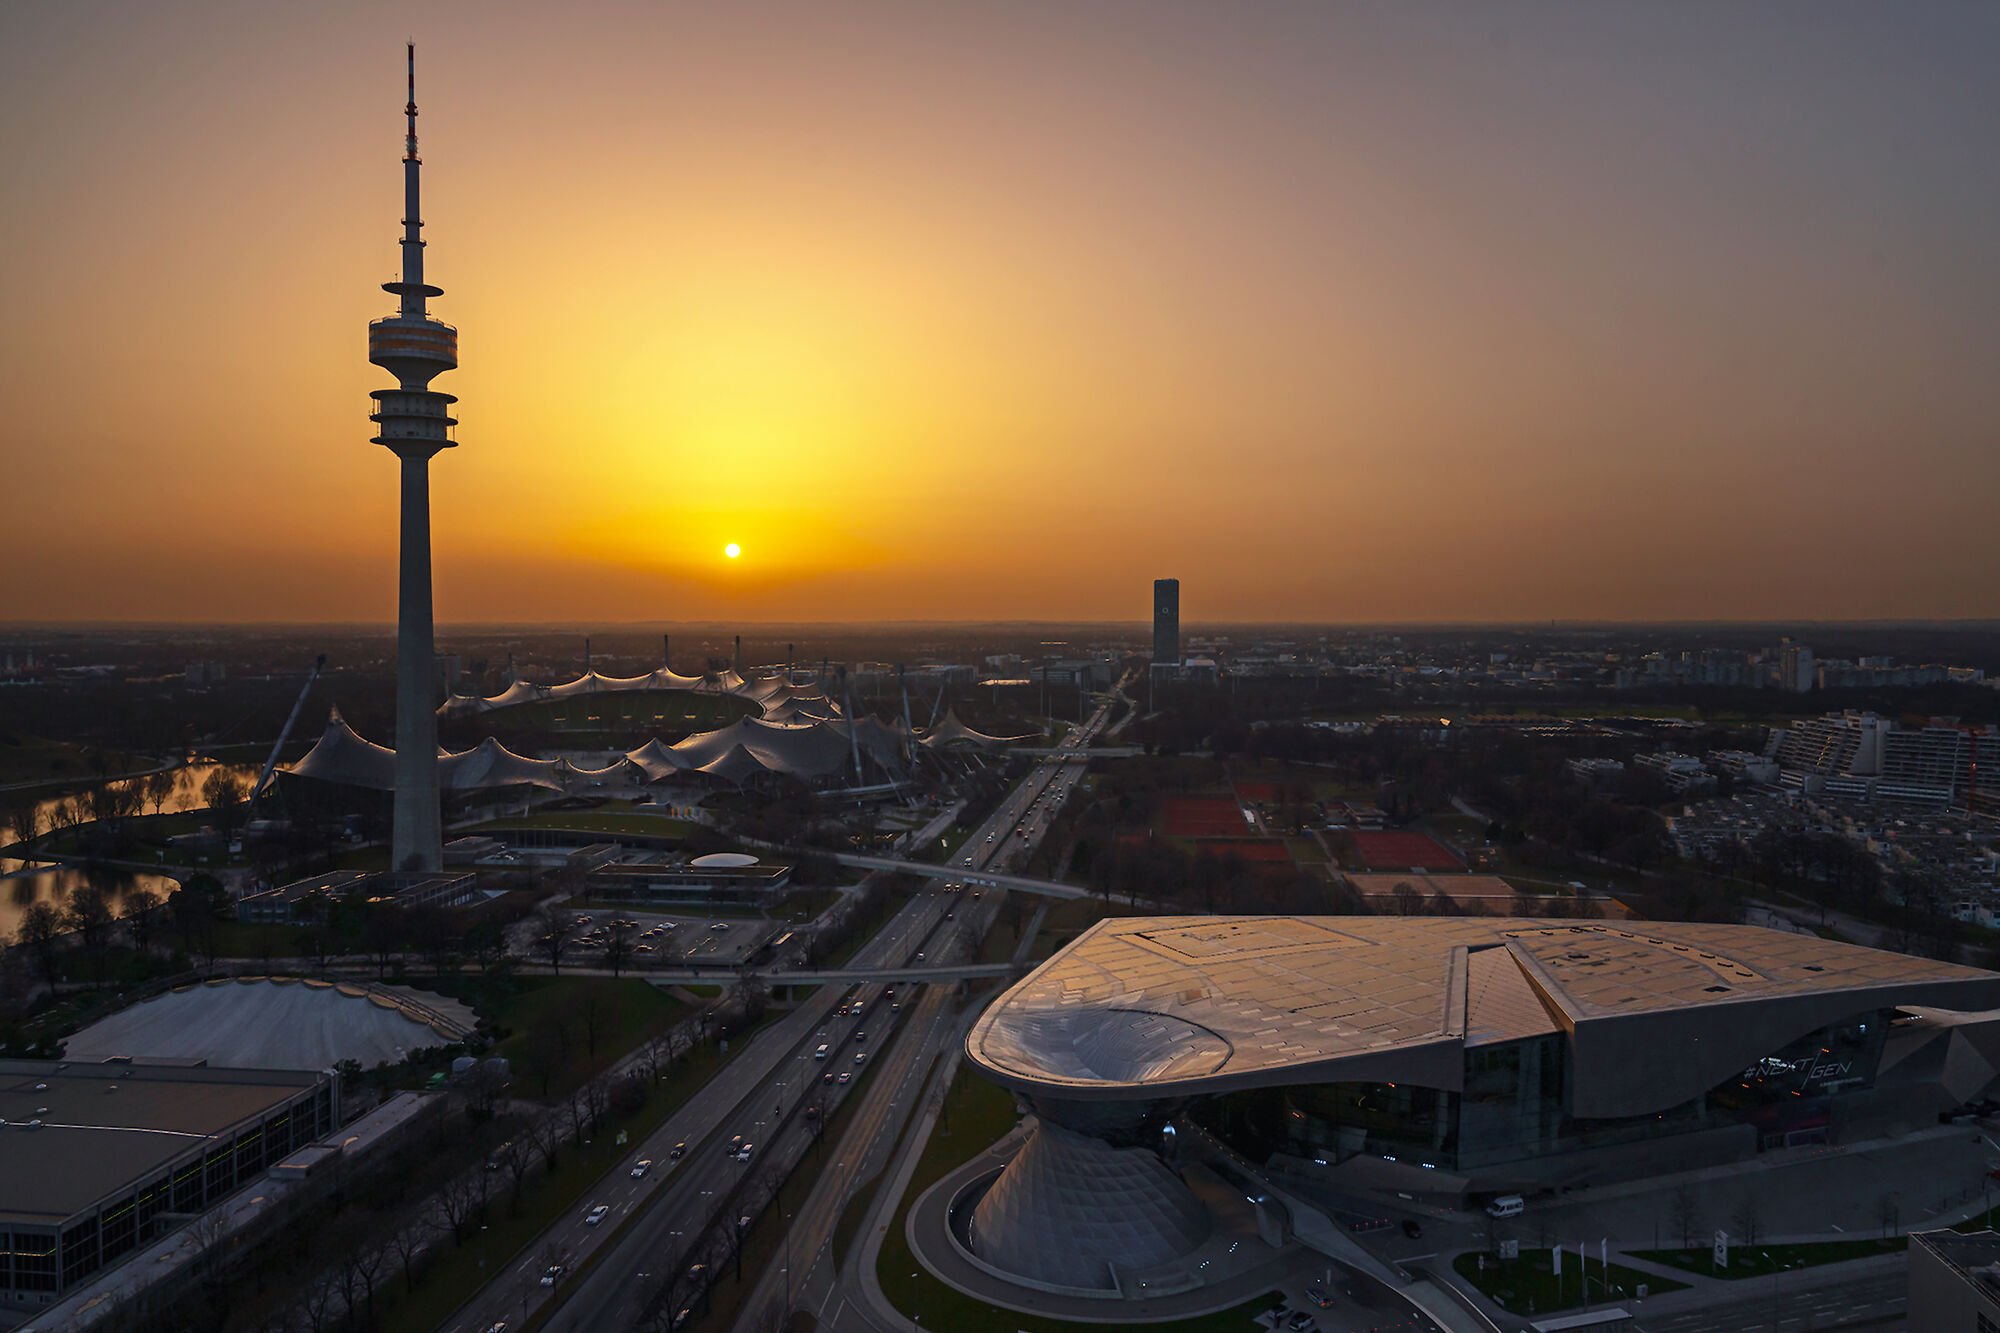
(1203,817)
(1404,851)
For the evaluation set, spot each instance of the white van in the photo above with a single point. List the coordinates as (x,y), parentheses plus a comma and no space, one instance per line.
(820,1054)
(1507,1205)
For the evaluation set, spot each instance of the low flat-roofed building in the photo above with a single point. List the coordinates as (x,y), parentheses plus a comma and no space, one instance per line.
(691,882)
(311,899)
(1955,1281)
(301,899)
(97,1159)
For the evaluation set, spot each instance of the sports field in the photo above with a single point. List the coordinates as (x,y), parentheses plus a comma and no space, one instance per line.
(1397,850)
(1203,817)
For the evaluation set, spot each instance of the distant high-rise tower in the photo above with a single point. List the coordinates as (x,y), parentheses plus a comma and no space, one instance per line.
(1166,622)
(414,423)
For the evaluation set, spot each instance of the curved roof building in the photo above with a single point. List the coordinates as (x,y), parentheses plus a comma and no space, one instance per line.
(1461,1054)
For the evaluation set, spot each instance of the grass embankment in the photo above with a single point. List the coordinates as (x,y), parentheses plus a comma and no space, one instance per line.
(1763,1260)
(977,1113)
(1529,1284)
(458,1271)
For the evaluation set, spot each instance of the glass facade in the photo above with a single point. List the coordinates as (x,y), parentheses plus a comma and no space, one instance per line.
(51,1260)
(1514,1106)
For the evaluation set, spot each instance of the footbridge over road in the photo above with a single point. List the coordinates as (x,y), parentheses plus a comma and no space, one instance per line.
(824,976)
(979,879)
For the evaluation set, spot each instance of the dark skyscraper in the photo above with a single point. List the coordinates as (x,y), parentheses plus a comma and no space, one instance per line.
(1166,622)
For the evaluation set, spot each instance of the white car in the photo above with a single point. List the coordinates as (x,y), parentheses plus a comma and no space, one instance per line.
(555,1272)
(639,1171)
(596,1215)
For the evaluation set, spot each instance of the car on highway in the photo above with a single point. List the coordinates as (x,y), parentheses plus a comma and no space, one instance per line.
(744,1153)
(859,1056)
(860,1035)
(550,1278)
(846,1076)
(645,1164)
(678,1151)
(920,952)
(597,1214)
(827,1077)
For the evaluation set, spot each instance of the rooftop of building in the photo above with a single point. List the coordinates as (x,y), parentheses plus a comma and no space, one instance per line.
(103,1126)
(1177,1005)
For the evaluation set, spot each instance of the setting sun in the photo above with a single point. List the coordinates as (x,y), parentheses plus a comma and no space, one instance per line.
(732,550)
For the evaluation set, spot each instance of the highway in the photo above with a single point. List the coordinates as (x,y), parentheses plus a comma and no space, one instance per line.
(807,1272)
(762,1095)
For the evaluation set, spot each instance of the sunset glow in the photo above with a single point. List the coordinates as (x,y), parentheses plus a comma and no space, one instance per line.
(1002,311)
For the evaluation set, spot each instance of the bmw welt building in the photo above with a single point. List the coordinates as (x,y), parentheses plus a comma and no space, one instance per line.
(1450,1055)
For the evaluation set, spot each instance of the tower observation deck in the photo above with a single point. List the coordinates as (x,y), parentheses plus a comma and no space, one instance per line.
(414,422)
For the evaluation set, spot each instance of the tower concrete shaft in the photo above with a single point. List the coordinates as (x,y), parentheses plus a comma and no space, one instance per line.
(414,423)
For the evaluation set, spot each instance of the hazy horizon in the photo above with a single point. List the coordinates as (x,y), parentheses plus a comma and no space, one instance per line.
(1442,314)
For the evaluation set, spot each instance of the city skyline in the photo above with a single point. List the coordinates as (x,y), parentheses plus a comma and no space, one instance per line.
(1452,315)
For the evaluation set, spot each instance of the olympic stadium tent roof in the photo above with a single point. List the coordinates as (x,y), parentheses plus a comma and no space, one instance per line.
(950,733)
(340,755)
(594,682)
(810,751)
(1653,1012)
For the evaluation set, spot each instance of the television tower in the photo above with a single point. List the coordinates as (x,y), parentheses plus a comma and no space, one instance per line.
(414,423)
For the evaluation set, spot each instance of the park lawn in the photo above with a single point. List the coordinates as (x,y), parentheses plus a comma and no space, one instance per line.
(1306,851)
(977,1113)
(530,1008)
(1763,1260)
(34,759)
(455,1272)
(1529,1283)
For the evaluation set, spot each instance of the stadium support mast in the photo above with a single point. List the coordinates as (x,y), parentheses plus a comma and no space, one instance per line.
(414,424)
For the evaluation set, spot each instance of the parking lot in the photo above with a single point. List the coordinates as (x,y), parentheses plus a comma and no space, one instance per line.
(662,939)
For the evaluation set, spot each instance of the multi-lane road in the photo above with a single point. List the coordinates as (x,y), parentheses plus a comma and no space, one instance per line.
(764,1094)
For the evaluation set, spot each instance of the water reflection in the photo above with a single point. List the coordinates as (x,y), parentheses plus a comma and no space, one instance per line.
(184,795)
(23,884)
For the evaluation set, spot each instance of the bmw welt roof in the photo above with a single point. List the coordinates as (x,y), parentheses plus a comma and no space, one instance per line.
(1653,1012)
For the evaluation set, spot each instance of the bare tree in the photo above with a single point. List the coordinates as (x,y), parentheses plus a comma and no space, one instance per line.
(519,1155)
(1684,1212)
(142,909)
(1747,1216)
(409,1241)
(557,922)
(24,821)
(457,1202)
(88,913)
(40,932)
(159,787)
(360,1270)
(618,947)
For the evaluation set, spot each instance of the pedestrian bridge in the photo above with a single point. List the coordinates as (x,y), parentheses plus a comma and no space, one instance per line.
(978,879)
(829,976)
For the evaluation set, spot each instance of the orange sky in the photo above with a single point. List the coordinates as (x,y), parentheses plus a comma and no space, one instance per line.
(967,311)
